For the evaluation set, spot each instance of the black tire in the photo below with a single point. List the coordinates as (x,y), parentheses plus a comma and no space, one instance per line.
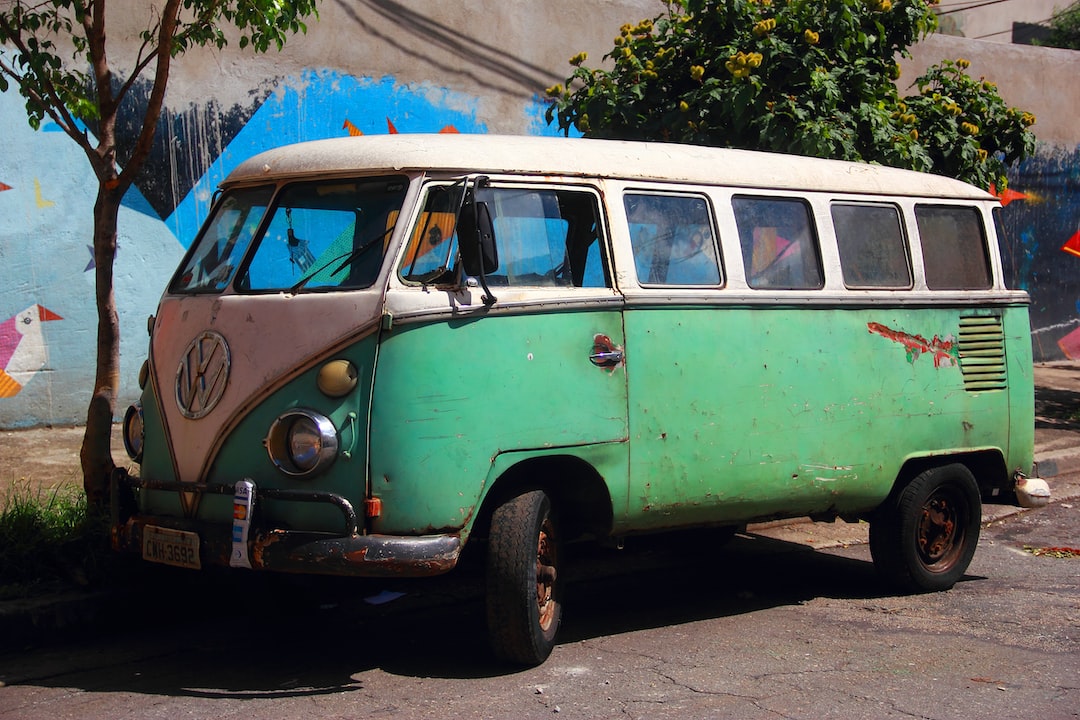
(524,587)
(922,538)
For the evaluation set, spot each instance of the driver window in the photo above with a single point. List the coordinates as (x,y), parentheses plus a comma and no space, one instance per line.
(546,237)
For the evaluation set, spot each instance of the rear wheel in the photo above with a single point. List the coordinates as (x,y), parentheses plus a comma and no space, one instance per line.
(524,588)
(922,539)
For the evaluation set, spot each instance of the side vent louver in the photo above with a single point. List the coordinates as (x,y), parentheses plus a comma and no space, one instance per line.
(982,353)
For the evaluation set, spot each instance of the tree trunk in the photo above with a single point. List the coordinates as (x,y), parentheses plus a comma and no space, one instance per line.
(96,454)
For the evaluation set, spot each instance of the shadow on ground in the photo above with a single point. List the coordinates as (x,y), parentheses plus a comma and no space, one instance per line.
(251,636)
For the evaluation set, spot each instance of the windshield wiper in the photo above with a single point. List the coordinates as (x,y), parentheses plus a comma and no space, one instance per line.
(344,258)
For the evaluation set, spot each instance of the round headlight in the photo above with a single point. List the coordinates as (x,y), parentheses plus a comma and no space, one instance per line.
(134,432)
(302,442)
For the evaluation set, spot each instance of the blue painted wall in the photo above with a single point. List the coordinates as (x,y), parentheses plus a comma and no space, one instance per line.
(47,315)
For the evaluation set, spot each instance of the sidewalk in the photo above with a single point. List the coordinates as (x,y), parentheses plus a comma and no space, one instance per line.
(48,457)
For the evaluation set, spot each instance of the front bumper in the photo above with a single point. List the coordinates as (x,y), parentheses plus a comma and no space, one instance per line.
(282,550)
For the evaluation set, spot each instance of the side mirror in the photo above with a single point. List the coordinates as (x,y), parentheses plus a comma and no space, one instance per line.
(476,239)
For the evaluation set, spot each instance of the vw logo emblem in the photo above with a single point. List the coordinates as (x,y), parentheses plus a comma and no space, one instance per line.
(202,375)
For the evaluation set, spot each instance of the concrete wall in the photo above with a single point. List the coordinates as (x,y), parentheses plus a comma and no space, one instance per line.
(377,66)
(993,21)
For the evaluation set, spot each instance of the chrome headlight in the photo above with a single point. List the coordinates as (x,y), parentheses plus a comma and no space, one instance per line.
(302,442)
(134,432)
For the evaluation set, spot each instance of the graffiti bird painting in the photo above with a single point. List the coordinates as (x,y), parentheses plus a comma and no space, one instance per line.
(22,348)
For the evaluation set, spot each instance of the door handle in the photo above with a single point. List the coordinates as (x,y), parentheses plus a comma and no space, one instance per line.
(605,353)
(606,359)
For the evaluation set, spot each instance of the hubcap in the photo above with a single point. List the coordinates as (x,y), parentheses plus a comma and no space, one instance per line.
(940,534)
(546,575)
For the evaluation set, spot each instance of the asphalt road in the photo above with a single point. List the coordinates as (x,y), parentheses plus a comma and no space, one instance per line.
(674,627)
(788,621)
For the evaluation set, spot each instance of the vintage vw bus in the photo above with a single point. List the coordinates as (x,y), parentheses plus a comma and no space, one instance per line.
(381,349)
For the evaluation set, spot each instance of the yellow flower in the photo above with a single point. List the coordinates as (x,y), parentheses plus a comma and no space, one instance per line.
(914,134)
(684,106)
(697,72)
(1027,119)
(963,64)
(579,58)
(967,128)
(619,41)
(555,90)
(811,37)
(764,27)
(982,154)
(884,5)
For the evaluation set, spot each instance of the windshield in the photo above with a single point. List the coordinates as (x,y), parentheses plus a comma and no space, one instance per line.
(330,234)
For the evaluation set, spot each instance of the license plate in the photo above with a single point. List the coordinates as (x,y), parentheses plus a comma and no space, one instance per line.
(171,547)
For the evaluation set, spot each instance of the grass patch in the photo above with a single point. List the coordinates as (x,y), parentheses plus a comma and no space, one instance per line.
(49,542)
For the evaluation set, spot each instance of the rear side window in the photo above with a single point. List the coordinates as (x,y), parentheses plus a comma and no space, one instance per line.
(779,245)
(673,239)
(954,247)
(873,251)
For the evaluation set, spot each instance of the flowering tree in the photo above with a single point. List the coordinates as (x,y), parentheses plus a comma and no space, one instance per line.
(61,66)
(810,77)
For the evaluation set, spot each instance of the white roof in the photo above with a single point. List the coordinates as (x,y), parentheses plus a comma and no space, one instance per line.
(590,158)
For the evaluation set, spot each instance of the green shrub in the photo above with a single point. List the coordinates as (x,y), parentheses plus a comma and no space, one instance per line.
(48,541)
(808,77)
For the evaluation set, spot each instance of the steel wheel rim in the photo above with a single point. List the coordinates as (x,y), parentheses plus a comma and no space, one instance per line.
(940,531)
(546,575)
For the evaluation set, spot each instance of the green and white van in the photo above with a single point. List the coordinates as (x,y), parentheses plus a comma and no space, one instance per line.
(379,350)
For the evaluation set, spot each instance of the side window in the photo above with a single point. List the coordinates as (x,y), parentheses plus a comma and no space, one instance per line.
(954,247)
(673,239)
(546,237)
(779,245)
(873,252)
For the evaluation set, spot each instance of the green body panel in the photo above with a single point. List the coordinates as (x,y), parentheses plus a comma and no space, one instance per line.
(157,462)
(739,414)
(242,454)
(1017,327)
(451,397)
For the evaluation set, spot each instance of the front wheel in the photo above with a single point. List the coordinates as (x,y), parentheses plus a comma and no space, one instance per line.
(923,538)
(524,603)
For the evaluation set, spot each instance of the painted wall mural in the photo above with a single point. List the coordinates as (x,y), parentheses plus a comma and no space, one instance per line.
(46,201)
(47,195)
(1041,248)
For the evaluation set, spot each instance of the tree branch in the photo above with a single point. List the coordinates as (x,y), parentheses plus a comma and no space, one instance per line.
(166,32)
(48,99)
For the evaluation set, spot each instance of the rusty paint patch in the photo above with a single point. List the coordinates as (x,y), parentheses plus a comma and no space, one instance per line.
(943,349)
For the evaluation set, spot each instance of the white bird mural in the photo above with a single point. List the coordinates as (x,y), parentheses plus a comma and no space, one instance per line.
(22,348)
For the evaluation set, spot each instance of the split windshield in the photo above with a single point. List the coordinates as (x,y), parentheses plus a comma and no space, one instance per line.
(319,235)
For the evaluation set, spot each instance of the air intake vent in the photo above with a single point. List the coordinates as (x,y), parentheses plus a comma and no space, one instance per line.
(982,353)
